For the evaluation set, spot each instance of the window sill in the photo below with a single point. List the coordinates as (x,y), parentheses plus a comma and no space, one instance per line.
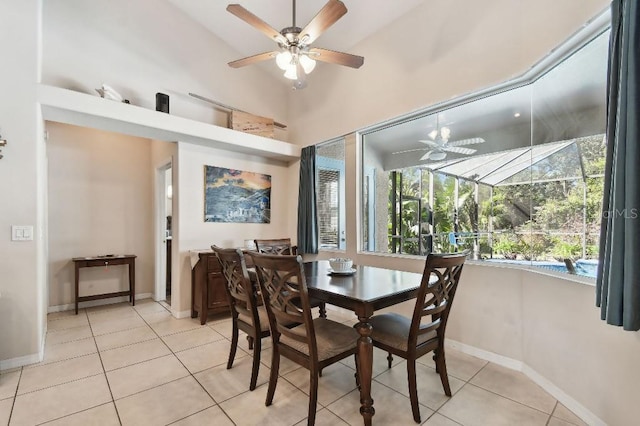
(580,279)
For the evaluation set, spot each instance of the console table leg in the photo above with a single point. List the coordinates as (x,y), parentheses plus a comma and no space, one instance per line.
(132,282)
(76,284)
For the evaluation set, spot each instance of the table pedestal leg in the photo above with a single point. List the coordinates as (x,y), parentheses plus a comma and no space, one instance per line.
(365,368)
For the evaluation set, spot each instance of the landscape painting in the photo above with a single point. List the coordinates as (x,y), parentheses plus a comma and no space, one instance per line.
(236,196)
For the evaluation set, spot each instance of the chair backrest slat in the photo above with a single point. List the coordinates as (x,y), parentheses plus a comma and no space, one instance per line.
(435,296)
(240,290)
(280,246)
(285,296)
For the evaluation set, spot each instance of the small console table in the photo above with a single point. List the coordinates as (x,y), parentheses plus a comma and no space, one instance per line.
(106,261)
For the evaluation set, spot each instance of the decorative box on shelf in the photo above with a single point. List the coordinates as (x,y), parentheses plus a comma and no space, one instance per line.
(253,124)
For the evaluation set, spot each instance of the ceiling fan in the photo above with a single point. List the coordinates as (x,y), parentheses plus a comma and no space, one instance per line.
(438,145)
(295,55)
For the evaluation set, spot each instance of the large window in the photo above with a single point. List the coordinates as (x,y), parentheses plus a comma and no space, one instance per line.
(512,176)
(330,194)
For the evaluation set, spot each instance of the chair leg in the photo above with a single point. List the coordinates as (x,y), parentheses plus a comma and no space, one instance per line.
(313,397)
(250,340)
(357,374)
(234,344)
(256,363)
(273,377)
(413,389)
(435,360)
(441,368)
(323,310)
(389,359)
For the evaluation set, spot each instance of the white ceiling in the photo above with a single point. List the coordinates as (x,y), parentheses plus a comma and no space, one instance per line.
(362,19)
(487,119)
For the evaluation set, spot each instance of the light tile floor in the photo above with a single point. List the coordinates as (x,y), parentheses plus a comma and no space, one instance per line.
(118,364)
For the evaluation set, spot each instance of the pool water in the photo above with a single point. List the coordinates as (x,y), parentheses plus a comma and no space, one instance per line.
(583,267)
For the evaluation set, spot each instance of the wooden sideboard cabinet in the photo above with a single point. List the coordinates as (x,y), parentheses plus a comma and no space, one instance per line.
(208,293)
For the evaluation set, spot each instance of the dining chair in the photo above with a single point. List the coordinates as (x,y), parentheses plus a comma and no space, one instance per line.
(282,246)
(276,246)
(246,313)
(410,338)
(314,344)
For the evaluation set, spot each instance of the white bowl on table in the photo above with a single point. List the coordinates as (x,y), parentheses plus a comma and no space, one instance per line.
(341,264)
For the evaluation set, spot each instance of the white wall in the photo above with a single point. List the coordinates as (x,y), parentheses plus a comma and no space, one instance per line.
(100,202)
(553,326)
(146,46)
(439,50)
(22,186)
(194,233)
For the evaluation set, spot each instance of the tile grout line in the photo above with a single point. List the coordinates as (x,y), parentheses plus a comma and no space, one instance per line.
(15,396)
(171,353)
(82,378)
(552,411)
(512,400)
(104,371)
(215,403)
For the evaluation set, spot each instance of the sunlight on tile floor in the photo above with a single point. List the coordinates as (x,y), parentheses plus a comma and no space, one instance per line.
(118,364)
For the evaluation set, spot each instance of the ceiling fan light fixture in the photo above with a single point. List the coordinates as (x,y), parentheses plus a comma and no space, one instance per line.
(283,59)
(291,73)
(307,63)
(445,132)
(436,155)
(433,134)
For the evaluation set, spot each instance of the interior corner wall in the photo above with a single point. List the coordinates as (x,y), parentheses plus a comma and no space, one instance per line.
(439,50)
(22,265)
(100,202)
(553,327)
(147,46)
(196,234)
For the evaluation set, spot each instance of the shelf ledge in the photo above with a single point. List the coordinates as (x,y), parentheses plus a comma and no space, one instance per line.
(80,109)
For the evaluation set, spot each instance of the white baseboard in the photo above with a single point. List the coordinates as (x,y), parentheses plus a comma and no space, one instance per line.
(181,314)
(8,364)
(99,302)
(578,409)
(504,361)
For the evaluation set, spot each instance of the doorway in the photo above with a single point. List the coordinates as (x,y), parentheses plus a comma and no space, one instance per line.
(163,231)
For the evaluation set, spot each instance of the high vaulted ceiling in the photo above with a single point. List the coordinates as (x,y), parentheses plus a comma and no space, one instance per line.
(362,19)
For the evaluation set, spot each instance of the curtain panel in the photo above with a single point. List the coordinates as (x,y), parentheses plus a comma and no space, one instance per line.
(307,203)
(618,279)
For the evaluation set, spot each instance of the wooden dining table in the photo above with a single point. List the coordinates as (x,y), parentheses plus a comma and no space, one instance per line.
(367,290)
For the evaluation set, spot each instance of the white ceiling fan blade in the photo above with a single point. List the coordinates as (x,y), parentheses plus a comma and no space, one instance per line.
(459,150)
(409,150)
(426,156)
(432,144)
(462,142)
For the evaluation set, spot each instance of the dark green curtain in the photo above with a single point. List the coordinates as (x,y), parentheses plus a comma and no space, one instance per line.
(618,280)
(307,204)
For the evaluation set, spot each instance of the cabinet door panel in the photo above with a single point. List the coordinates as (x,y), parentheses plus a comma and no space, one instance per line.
(217,293)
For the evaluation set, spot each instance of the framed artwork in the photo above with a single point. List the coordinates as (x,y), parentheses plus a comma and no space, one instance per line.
(236,196)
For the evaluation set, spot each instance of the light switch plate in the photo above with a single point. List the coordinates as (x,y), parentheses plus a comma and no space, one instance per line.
(21,233)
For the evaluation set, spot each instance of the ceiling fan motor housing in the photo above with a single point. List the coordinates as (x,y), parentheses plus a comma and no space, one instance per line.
(291,34)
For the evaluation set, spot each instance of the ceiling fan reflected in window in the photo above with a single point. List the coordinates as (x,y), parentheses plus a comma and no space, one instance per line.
(439,144)
(295,56)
